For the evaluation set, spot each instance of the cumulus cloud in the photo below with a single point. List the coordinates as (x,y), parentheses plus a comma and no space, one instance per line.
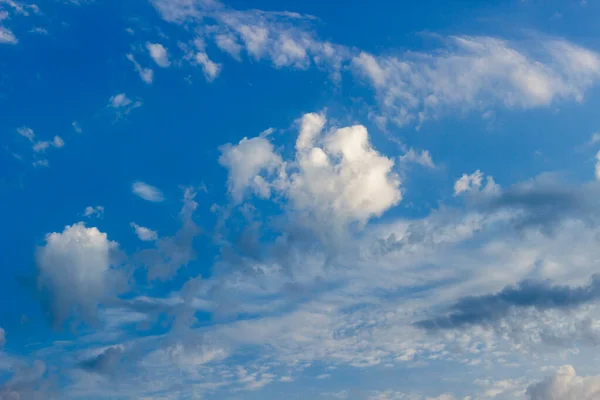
(147,192)
(75,268)
(146,74)
(540,295)
(143,233)
(338,175)
(422,158)
(565,385)
(210,68)
(246,161)
(159,54)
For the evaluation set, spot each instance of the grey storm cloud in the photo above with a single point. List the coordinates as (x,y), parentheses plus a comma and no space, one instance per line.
(541,295)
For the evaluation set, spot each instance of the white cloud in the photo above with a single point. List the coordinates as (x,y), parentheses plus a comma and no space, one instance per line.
(74,266)
(229,44)
(245,162)
(565,385)
(58,142)
(76,127)
(143,233)
(122,104)
(119,100)
(159,54)
(40,163)
(41,146)
(338,175)
(598,166)
(423,158)
(210,68)
(146,74)
(97,211)
(7,36)
(26,133)
(147,192)
(473,183)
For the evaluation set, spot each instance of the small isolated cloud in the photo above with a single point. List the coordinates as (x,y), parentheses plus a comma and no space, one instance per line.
(422,158)
(40,163)
(147,192)
(58,142)
(122,104)
(76,127)
(565,385)
(473,183)
(75,268)
(90,211)
(26,133)
(210,68)
(143,233)
(7,36)
(38,30)
(41,146)
(146,74)
(159,54)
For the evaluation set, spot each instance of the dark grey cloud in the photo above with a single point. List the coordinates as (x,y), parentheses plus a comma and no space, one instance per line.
(105,362)
(541,295)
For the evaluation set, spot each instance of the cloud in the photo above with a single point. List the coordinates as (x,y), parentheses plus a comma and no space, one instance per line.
(105,362)
(41,146)
(211,69)
(91,211)
(76,127)
(2,338)
(28,382)
(172,253)
(565,385)
(146,74)
(477,71)
(58,142)
(144,233)
(597,169)
(26,133)
(147,192)
(335,177)
(423,158)
(75,268)
(490,308)
(473,183)
(245,163)
(466,73)
(159,54)
(7,36)
(122,104)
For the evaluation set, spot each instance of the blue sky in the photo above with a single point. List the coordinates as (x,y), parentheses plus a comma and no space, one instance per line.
(304,200)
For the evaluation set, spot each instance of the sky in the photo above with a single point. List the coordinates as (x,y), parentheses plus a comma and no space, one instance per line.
(299,200)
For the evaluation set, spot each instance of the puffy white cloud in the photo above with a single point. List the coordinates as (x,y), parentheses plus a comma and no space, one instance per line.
(229,44)
(341,176)
(58,142)
(146,74)
(245,162)
(41,146)
(597,166)
(90,211)
(122,104)
(159,54)
(566,385)
(147,192)
(143,233)
(75,267)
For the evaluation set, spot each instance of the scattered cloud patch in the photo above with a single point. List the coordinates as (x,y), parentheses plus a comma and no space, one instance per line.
(146,74)
(143,233)
(90,211)
(159,54)
(147,192)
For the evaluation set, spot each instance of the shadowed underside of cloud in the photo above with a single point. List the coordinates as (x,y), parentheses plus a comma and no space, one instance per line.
(489,308)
